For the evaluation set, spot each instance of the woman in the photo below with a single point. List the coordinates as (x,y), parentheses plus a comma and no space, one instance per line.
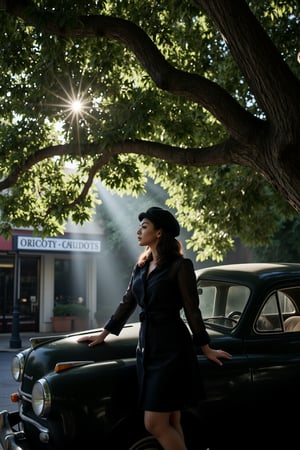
(163,282)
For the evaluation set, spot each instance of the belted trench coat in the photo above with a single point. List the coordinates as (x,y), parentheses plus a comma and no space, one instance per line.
(167,367)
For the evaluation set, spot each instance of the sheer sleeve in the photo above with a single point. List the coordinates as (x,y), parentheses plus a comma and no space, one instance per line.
(188,289)
(125,309)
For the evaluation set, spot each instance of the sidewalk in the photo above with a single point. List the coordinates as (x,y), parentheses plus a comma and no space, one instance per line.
(24,336)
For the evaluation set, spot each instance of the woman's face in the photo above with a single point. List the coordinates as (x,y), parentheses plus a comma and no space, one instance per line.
(147,233)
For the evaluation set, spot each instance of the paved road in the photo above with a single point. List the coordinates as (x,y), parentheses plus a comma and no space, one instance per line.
(7,384)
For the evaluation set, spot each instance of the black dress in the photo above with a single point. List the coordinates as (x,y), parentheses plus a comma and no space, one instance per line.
(167,367)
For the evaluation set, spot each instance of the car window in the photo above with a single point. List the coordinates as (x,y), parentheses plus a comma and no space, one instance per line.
(237,298)
(269,318)
(278,310)
(222,303)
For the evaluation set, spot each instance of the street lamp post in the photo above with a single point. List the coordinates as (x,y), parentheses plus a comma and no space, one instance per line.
(15,341)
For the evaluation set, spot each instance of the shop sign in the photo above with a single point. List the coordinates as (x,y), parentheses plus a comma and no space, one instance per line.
(56,244)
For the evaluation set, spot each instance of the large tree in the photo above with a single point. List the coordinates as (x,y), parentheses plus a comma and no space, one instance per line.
(202,96)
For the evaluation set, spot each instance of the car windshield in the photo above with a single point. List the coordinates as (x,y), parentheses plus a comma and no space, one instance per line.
(222,303)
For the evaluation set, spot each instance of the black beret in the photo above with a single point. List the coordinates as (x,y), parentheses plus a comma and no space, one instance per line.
(161,219)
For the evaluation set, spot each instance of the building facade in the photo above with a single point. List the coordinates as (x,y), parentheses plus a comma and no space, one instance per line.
(37,273)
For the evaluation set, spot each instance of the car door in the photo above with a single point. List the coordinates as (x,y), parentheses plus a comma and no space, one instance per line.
(274,355)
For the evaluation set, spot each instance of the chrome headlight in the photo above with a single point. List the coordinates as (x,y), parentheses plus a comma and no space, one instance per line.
(41,398)
(17,366)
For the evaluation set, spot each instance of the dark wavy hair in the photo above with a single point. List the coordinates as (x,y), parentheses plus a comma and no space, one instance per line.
(168,248)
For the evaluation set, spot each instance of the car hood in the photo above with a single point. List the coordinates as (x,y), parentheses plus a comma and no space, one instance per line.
(47,351)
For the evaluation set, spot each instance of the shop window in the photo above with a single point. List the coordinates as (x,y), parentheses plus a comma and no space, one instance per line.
(70,281)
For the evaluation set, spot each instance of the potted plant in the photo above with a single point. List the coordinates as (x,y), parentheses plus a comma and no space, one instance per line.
(61,320)
(80,314)
(69,317)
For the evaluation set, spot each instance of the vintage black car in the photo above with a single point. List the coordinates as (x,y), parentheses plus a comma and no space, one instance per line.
(72,396)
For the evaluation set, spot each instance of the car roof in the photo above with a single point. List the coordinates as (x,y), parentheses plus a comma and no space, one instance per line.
(251,272)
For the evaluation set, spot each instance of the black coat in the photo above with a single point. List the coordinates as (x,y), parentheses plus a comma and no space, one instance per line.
(167,367)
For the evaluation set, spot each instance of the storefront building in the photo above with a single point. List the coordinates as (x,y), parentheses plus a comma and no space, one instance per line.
(37,273)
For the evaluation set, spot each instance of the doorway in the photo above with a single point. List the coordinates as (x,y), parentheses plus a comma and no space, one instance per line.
(6,294)
(29,293)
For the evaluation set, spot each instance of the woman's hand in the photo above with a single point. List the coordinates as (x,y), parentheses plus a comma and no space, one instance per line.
(215,355)
(94,340)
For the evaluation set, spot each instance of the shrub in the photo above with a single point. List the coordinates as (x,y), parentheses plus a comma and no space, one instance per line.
(71,309)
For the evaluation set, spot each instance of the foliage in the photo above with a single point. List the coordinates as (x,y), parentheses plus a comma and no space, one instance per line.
(179,92)
(285,247)
(71,309)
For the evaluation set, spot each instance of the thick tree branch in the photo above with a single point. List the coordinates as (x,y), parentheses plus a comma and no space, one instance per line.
(228,152)
(272,82)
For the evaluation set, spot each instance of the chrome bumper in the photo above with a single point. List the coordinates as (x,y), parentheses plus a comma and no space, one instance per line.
(10,439)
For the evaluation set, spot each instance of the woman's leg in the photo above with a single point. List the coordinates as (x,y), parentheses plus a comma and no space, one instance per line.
(166,428)
(175,421)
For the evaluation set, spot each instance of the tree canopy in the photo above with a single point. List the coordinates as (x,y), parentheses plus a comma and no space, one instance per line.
(201,96)
(285,246)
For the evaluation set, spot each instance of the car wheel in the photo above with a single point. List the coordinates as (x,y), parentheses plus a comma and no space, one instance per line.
(147,443)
